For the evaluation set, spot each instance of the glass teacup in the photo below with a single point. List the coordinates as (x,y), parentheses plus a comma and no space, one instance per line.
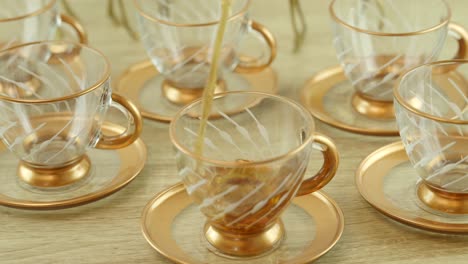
(431,105)
(253,164)
(26,21)
(23,21)
(51,128)
(376,41)
(178,36)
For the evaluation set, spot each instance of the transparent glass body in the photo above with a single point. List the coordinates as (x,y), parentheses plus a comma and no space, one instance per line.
(432,115)
(178,36)
(253,160)
(54,96)
(376,41)
(23,21)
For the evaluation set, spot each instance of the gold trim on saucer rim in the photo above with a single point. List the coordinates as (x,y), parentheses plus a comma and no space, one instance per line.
(131,82)
(370,180)
(170,202)
(314,91)
(133,159)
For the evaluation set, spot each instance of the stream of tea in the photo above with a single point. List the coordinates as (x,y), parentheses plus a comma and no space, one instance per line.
(208,94)
(265,198)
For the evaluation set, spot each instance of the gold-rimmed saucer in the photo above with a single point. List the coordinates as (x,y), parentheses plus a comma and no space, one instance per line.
(387,180)
(111,171)
(142,84)
(329,94)
(173,225)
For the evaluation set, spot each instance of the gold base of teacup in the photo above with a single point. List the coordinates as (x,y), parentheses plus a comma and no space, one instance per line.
(440,200)
(159,101)
(332,99)
(245,244)
(62,52)
(387,180)
(372,108)
(182,95)
(25,89)
(57,177)
(174,226)
(112,170)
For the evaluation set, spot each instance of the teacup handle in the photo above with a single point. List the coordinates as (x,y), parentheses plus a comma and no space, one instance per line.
(328,170)
(80,31)
(134,119)
(462,39)
(245,65)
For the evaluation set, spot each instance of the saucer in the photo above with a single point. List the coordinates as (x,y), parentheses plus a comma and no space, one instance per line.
(328,95)
(173,225)
(142,83)
(387,181)
(111,171)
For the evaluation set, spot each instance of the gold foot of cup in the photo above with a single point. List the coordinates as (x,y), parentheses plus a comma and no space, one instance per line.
(373,108)
(247,244)
(54,177)
(28,87)
(440,200)
(183,96)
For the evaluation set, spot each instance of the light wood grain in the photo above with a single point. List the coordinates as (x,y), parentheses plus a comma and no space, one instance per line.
(108,231)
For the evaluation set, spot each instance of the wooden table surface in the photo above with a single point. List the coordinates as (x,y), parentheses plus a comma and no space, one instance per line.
(108,231)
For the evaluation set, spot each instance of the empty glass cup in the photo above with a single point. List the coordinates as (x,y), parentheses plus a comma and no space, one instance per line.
(376,41)
(50,126)
(431,105)
(179,34)
(23,21)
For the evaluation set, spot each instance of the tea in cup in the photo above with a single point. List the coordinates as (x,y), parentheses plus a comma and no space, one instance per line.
(252,165)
